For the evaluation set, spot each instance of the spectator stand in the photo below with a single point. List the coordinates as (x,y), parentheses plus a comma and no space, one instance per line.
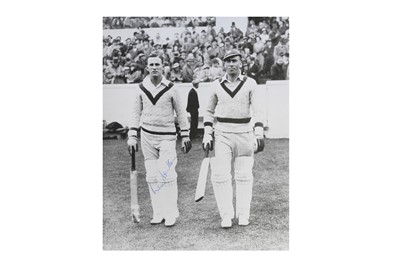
(173,31)
(156,22)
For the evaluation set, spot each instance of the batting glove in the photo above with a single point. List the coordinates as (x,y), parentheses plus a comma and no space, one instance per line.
(258,145)
(186,144)
(259,138)
(208,139)
(132,140)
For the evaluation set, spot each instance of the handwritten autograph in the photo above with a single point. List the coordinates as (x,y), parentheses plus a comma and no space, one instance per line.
(164,175)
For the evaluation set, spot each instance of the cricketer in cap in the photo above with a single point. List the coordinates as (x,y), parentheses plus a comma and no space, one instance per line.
(238,135)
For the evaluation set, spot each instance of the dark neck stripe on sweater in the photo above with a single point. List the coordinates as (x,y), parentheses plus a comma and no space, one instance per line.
(158,96)
(233,93)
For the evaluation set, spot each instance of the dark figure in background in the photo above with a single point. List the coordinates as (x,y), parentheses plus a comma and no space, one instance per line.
(253,69)
(236,33)
(269,58)
(193,109)
(278,71)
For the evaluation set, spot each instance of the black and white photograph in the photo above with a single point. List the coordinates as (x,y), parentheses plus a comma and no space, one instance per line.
(196,133)
(204,156)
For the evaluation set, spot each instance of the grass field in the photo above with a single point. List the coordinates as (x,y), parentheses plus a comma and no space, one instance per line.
(198,226)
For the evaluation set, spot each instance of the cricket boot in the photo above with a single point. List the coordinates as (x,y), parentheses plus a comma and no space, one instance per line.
(226,222)
(244,185)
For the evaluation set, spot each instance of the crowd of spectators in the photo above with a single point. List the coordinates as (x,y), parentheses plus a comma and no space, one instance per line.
(155,22)
(193,55)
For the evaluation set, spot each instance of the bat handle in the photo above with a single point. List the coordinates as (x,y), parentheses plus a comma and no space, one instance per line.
(206,151)
(133,163)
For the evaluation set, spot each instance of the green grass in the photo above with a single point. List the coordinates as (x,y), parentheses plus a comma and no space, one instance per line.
(198,226)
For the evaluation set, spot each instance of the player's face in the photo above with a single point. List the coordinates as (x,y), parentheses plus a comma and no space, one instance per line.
(233,65)
(154,66)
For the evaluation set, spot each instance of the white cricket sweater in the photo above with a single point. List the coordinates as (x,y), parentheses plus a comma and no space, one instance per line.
(154,108)
(229,105)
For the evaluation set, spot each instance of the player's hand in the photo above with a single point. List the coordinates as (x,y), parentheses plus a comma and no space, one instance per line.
(132,142)
(259,139)
(258,145)
(208,140)
(186,144)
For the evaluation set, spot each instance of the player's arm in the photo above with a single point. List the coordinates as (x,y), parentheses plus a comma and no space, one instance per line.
(257,102)
(209,121)
(182,120)
(137,108)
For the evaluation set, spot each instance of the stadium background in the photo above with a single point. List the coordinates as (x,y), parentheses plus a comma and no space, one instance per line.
(116,104)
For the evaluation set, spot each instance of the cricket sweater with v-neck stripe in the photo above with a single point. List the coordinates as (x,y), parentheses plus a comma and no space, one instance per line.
(228,108)
(154,107)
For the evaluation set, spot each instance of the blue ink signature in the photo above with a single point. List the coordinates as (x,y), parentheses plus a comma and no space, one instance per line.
(169,163)
(158,188)
(164,175)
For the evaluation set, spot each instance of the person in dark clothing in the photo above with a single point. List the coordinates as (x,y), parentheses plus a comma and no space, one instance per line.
(269,58)
(278,71)
(253,70)
(248,44)
(193,109)
(274,37)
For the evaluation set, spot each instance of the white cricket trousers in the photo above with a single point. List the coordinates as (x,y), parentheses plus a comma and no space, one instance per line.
(160,162)
(239,148)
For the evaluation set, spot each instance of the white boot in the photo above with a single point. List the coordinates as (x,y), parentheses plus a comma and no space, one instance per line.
(226,222)
(243,220)
(244,186)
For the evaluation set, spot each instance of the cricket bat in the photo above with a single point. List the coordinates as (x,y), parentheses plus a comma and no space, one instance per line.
(134,190)
(202,181)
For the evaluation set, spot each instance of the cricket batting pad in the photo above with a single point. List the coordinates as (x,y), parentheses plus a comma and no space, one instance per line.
(222,186)
(169,198)
(154,188)
(156,200)
(244,185)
